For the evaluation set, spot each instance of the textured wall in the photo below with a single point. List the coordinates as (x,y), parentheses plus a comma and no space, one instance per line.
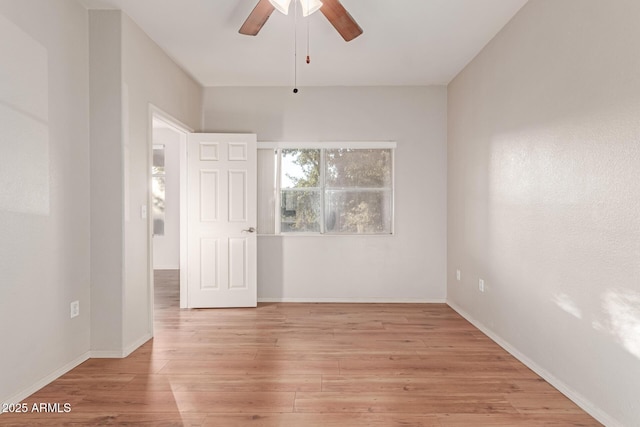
(44,192)
(409,266)
(129,73)
(150,77)
(544,196)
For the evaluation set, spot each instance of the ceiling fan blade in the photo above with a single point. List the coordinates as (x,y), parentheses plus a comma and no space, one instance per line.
(257,18)
(340,19)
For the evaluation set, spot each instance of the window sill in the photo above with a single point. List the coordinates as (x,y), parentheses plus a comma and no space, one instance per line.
(298,235)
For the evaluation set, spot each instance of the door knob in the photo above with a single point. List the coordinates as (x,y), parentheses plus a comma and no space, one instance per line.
(249,230)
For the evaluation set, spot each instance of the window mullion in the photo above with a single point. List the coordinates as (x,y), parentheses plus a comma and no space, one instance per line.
(278,202)
(322,191)
(393,190)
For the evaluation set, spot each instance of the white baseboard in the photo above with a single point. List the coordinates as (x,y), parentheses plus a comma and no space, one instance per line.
(19,397)
(134,346)
(166,267)
(106,354)
(94,354)
(119,354)
(357,300)
(576,397)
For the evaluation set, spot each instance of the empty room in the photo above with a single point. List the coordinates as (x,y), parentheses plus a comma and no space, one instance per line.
(320,213)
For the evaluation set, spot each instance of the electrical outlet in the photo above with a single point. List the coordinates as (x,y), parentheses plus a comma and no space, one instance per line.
(458,275)
(75,309)
(481,285)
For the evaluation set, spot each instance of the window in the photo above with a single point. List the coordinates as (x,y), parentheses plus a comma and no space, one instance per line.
(158,189)
(300,191)
(340,189)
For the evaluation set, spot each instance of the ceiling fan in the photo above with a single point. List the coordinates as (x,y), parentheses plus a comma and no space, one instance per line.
(331,9)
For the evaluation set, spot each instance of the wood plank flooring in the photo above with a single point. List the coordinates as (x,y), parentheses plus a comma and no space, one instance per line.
(306,365)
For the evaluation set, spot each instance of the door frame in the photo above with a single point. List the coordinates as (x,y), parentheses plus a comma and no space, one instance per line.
(182,130)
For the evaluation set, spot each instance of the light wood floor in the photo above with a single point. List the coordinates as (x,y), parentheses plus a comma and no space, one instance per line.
(306,365)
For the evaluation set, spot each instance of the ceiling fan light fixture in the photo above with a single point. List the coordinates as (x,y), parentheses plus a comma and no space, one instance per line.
(333,10)
(310,6)
(281,6)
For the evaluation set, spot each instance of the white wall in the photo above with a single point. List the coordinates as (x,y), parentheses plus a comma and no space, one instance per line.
(106,182)
(44,192)
(75,89)
(409,266)
(150,77)
(544,197)
(166,248)
(128,74)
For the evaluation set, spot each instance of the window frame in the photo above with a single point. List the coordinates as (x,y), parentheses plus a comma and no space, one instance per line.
(277,147)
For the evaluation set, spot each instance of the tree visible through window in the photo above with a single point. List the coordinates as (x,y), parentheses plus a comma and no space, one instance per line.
(339,191)
(158,189)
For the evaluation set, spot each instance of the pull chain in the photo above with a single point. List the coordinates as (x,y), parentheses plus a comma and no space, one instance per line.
(308,37)
(295,48)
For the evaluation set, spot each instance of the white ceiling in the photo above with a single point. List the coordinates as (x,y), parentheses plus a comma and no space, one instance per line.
(405,42)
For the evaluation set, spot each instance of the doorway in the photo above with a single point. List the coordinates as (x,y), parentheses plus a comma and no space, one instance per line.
(213,219)
(167,199)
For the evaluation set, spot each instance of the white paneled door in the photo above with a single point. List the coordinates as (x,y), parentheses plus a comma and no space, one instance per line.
(222,214)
